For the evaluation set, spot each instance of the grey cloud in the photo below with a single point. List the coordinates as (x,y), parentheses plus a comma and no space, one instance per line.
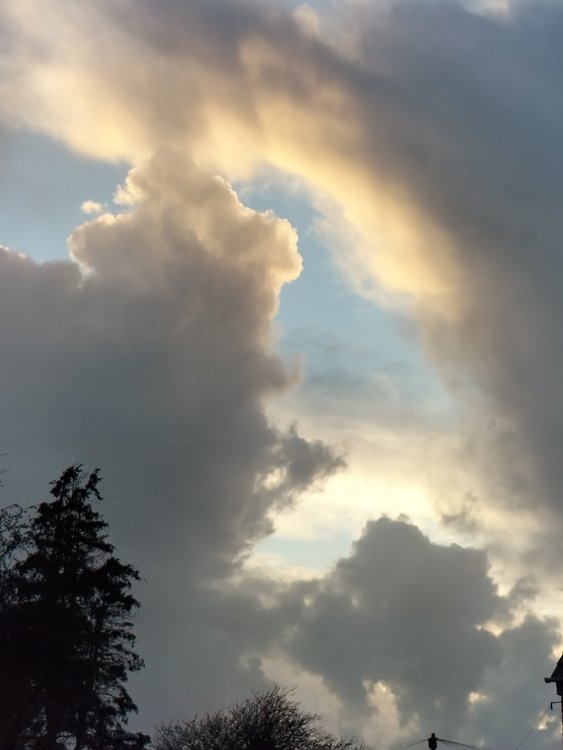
(457,112)
(478,144)
(405,612)
(414,616)
(462,516)
(516,698)
(156,365)
(401,611)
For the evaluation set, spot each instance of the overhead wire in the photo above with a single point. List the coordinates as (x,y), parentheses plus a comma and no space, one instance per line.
(413,743)
(463,744)
(533,729)
(401,745)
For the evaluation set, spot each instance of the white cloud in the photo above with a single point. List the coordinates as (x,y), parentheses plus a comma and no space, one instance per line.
(92,207)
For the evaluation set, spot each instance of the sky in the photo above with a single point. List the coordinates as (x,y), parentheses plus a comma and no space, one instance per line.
(290,274)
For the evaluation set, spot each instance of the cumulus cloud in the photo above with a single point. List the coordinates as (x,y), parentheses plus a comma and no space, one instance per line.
(406,634)
(151,355)
(92,207)
(396,612)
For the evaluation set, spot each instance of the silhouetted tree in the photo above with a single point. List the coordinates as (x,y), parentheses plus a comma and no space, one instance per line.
(67,643)
(267,721)
(15,656)
(14,529)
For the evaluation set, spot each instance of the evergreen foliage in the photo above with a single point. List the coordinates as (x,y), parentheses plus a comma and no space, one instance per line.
(66,638)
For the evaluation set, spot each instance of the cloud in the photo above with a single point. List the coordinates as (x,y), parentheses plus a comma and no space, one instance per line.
(435,130)
(396,612)
(512,703)
(92,207)
(253,88)
(407,635)
(151,355)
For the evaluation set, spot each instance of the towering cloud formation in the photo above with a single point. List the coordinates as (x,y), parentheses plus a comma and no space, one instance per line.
(153,358)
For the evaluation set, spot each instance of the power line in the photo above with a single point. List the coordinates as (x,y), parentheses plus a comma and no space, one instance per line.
(402,745)
(413,743)
(533,729)
(462,744)
(407,744)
